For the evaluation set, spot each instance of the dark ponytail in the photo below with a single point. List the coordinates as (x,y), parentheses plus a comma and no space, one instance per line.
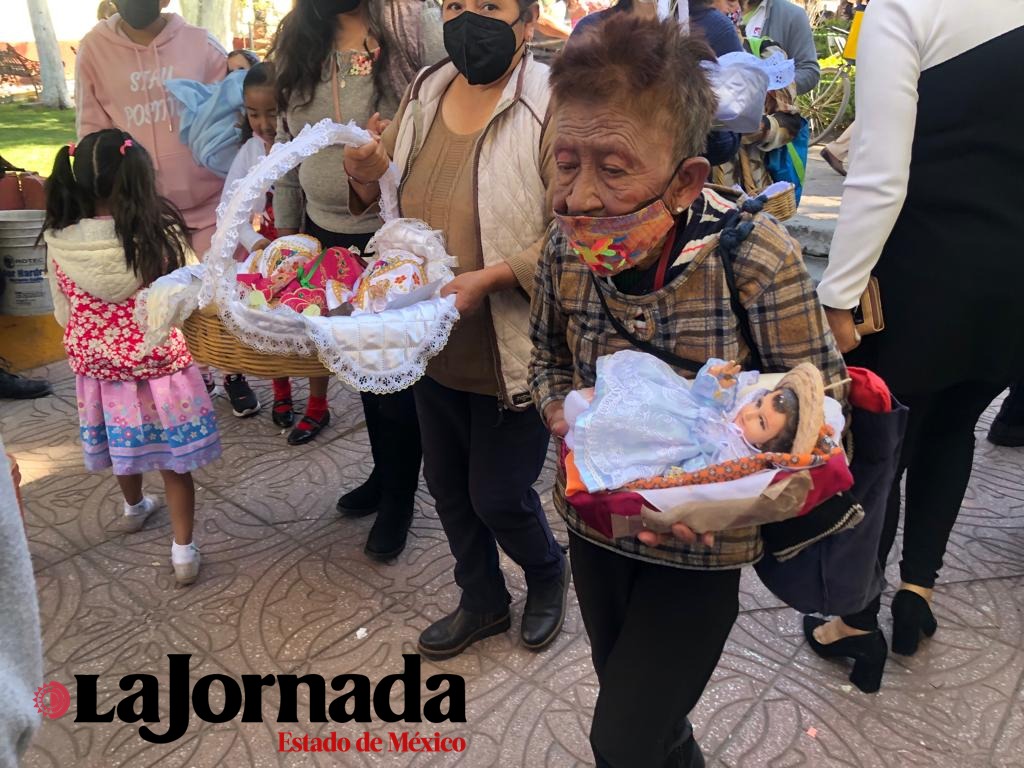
(109,167)
(66,203)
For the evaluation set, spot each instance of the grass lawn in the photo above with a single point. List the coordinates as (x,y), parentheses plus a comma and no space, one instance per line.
(30,135)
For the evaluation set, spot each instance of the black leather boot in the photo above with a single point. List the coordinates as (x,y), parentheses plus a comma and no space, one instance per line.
(361,501)
(457,631)
(544,613)
(389,532)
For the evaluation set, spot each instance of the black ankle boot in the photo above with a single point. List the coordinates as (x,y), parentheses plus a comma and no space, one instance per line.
(361,501)
(457,631)
(867,651)
(544,613)
(911,618)
(389,532)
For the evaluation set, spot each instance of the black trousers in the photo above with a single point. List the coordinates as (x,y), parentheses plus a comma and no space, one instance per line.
(395,446)
(937,457)
(656,634)
(480,463)
(390,419)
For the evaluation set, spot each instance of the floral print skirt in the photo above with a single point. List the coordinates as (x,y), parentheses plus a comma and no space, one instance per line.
(140,426)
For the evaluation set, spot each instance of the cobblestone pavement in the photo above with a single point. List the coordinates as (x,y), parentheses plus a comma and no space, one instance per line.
(285,588)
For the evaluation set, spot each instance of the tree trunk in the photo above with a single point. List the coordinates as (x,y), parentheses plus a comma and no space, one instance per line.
(51,68)
(216,17)
(190,11)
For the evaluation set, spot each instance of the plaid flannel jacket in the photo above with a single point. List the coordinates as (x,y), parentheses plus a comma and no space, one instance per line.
(692,317)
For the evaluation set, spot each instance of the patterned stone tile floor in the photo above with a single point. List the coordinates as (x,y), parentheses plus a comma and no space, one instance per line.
(285,588)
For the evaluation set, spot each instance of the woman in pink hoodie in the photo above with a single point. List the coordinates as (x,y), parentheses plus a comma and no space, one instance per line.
(122,65)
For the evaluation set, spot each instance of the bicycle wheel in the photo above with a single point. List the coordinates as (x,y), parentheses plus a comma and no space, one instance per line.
(825,105)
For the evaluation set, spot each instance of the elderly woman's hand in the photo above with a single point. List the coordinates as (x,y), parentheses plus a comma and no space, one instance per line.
(554,418)
(843,328)
(679,531)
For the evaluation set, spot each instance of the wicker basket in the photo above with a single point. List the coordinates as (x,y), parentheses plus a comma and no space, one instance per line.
(212,344)
(782,206)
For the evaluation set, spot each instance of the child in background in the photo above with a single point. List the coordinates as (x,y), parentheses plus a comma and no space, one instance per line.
(109,234)
(259,127)
(241,59)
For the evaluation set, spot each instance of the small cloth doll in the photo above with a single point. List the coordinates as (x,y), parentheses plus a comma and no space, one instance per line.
(324,283)
(643,418)
(393,274)
(270,270)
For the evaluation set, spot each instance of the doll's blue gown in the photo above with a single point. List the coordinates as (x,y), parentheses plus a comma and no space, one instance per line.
(645,419)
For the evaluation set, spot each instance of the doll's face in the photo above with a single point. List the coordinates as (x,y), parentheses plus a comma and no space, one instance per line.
(760,421)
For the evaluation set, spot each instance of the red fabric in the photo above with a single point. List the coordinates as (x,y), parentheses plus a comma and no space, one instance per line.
(316,408)
(266,225)
(282,389)
(868,391)
(826,481)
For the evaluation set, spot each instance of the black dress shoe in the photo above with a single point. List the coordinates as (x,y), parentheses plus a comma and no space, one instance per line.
(308,428)
(1006,434)
(282,413)
(389,533)
(867,651)
(1008,427)
(911,618)
(15,387)
(361,501)
(457,631)
(544,613)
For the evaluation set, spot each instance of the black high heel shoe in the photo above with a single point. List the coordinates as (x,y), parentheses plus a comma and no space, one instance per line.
(867,651)
(911,617)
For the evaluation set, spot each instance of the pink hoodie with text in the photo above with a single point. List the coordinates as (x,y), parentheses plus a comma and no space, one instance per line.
(120,84)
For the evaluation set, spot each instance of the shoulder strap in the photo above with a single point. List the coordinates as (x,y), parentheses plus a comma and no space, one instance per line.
(737,230)
(729,240)
(644,346)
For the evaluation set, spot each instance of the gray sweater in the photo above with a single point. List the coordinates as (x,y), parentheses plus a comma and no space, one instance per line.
(787,24)
(21,656)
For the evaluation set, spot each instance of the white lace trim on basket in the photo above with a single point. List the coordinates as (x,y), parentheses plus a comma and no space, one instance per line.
(381,353)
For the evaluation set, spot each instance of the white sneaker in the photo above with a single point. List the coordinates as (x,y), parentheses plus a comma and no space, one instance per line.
(135,516)
(185,559)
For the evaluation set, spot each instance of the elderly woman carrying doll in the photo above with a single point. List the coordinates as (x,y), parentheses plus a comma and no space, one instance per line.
(633,261)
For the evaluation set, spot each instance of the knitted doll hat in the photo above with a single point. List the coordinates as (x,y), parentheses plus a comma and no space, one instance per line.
(806,382)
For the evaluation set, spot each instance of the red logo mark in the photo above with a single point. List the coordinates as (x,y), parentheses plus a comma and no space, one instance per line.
(52,700)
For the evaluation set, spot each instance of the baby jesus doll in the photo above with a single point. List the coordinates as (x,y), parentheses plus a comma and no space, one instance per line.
(642,418)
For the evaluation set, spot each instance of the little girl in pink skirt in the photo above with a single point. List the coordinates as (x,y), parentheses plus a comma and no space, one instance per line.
(109,235)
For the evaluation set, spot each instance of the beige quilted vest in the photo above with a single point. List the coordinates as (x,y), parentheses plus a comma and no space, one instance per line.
(509,194)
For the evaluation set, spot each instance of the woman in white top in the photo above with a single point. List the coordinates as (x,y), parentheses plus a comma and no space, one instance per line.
(929,209)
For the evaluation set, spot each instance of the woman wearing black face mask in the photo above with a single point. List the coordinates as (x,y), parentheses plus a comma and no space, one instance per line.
(471,138)
(350,60)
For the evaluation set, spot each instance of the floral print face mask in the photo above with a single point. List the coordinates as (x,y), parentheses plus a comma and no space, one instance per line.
(610,244)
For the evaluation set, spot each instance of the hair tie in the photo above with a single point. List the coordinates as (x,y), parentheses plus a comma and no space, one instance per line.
(71,149)
(127,143)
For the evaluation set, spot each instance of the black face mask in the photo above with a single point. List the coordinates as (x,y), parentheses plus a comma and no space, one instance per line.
(481,47)
(139,14)
(327,9)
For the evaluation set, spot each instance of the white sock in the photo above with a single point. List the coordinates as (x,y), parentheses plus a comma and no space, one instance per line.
(182,553)
(137,509)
